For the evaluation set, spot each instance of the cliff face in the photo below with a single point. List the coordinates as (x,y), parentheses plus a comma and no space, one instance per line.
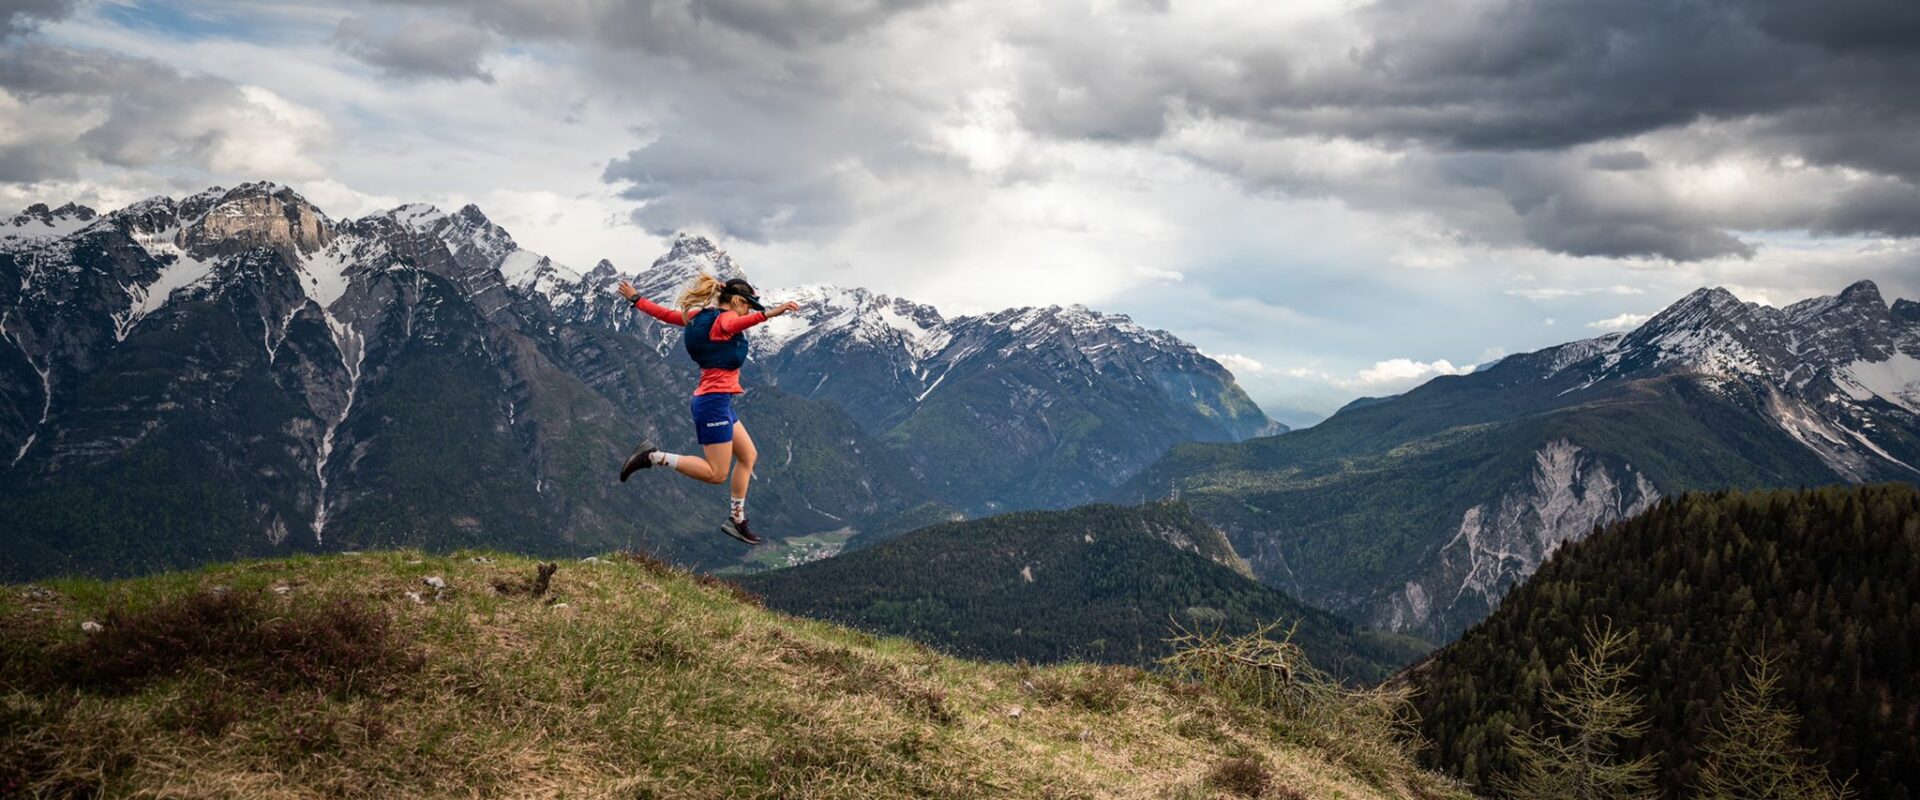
(256,215)
(1570,492)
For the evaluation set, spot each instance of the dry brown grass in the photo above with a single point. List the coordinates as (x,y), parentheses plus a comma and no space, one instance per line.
(637,681)
(1241,777)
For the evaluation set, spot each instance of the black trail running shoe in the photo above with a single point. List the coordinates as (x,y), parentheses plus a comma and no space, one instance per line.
(737,528)
(642,458)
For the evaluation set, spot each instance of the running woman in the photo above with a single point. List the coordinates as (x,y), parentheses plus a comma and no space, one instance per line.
(716,316)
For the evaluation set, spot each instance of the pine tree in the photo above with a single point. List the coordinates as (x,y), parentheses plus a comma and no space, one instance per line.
(1751,754)
(1594,713)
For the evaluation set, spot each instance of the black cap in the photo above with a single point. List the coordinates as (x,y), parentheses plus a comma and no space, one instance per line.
(736,287)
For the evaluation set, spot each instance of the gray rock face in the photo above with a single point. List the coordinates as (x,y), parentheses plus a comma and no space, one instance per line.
(1500,543)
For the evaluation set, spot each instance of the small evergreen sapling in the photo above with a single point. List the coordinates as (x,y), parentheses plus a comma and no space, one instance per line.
(1594,713)
(1751,754)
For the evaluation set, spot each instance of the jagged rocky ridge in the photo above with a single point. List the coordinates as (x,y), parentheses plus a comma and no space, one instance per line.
(236,373)
(1418,512)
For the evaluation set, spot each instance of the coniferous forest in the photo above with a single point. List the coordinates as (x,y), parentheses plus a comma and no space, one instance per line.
(1821,586)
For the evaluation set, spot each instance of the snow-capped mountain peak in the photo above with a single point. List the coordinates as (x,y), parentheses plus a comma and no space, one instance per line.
(423,217)
(481,247)
(39,225)
(689,257)
(1825,370)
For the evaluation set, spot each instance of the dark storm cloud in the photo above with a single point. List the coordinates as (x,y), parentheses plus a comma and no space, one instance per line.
(1619,161)
(417,48)
(1845,25)
(1565,209)
(19,16)
(1514,98)
(1886,207)
(1471,74)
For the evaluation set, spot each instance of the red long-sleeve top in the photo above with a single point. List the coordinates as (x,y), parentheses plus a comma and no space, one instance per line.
(712,381)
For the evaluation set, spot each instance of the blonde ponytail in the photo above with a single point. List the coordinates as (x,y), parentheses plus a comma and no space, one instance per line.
(700,294)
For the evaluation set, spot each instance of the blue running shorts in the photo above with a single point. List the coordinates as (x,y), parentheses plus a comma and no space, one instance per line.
(713,418)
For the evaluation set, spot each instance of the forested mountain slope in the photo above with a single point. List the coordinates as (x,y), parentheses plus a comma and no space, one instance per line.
(1102,583)
(1827,581)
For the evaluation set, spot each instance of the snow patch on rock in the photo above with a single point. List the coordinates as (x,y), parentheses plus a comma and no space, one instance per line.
(1895,380)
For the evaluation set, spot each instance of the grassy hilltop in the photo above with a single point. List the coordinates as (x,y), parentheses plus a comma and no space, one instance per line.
(350,676)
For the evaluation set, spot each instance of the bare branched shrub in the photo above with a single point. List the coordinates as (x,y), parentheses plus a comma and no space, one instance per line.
(1370,730)
(1254,671)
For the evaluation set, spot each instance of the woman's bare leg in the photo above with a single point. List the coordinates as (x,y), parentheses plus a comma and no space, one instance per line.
(745,454)
(711,469)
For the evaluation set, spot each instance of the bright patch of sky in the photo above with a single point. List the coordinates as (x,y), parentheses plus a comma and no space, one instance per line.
(1336,199)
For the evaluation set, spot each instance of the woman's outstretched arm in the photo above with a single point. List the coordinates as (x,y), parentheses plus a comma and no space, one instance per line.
(671,316)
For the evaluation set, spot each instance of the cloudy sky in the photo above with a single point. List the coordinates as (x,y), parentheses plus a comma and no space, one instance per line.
(1335,198)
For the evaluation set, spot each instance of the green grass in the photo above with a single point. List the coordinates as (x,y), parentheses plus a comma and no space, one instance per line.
(630,679)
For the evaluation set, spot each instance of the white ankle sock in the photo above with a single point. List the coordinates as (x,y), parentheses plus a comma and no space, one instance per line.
(738,510)
(667,460)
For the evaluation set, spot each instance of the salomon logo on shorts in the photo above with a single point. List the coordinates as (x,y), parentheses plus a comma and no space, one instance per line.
(713,418)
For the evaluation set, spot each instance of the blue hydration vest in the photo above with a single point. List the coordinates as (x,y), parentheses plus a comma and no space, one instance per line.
(709,354)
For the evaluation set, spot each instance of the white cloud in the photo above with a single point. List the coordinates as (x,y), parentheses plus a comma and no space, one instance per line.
(269,136)
(1624,322)
(1400,374)
(1238,364)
